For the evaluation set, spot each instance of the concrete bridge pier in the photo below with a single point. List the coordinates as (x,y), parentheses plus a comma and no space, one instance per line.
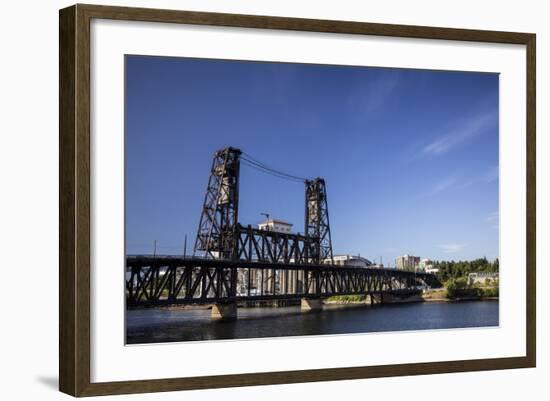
(376,298)
(227,311)
(310,305)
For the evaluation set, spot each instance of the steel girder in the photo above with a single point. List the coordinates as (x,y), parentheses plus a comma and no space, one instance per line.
(169,281)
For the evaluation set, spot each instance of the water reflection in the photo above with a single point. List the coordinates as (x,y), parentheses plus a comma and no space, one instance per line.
(164,325)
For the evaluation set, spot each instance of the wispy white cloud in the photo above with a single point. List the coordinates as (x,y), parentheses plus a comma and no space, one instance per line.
(486,177)
(442,185)
(459,181)
(452,248)
(375,94)
(463,132)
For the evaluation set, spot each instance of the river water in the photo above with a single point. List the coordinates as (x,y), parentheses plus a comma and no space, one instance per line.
(165,325)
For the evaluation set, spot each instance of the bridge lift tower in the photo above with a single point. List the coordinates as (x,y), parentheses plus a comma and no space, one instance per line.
(317,225)
(219,228)
(217,233)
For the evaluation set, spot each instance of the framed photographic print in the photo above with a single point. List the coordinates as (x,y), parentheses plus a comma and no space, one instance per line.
(279,200)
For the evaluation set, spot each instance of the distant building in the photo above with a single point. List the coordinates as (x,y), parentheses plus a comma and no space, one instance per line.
(350,261)
(482,278)
(407,262)
(279,226)
(425,265)
(432,270)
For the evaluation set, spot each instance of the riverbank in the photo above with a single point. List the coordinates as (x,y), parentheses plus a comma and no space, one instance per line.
(432,295)
(437,295)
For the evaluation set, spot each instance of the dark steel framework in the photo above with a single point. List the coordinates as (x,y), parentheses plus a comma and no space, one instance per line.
(217,235)
(317,225)
(272,246)
(220,236)
(152,281)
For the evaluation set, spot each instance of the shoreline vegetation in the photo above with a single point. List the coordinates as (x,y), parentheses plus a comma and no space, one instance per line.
(453,290)
(457,286)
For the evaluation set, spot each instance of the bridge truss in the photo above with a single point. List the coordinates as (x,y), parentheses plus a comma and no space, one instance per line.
(220,236)
(254,244)
(154,281)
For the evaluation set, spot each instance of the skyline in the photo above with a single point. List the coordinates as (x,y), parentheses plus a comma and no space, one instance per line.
(412,170)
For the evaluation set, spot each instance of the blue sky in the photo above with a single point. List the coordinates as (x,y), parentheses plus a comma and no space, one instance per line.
(410,157)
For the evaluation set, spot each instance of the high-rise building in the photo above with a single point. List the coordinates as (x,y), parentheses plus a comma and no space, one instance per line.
(407,262)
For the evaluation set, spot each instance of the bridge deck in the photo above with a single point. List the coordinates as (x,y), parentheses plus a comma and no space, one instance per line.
(164,280)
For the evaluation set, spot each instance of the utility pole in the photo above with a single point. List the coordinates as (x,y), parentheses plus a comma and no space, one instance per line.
(155,248)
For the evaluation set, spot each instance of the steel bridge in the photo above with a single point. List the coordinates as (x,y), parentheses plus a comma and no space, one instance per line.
(245,263)
(157,280)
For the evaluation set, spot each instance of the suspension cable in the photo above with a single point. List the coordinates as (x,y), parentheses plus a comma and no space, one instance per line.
(270,172)
(262,167)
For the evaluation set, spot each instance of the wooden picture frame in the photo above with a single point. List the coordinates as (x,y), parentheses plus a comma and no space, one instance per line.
(74,203)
